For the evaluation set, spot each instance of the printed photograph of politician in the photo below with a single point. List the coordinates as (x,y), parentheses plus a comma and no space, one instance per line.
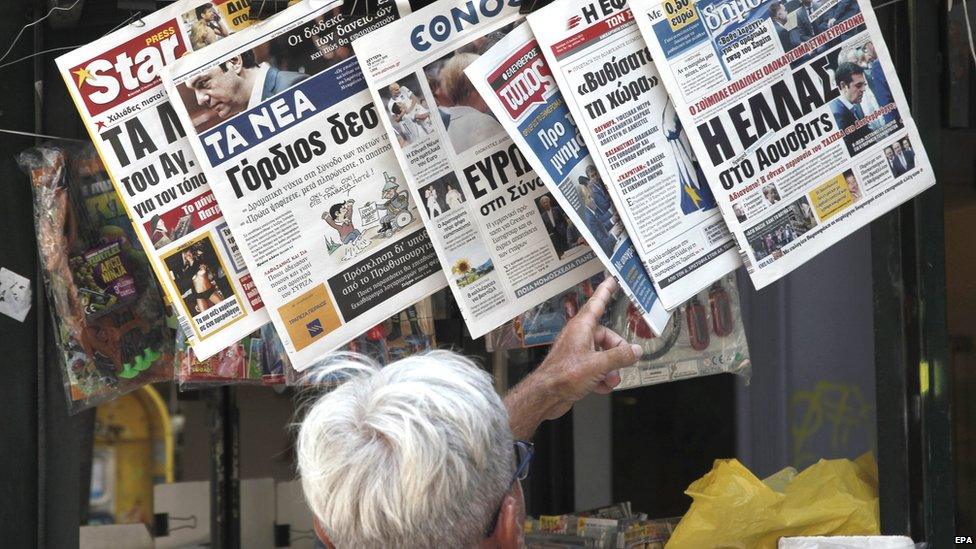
(205,26)
(441,195)
(900,157)
(770,193)
(781,228)
(243,81)
(199,275)
(797,21)
(864,91)
(596,208)
(463,113)
(405,104)
(560,229)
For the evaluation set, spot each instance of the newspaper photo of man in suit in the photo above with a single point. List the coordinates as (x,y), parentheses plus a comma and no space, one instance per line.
(236,85)
(780,18)
(848,108)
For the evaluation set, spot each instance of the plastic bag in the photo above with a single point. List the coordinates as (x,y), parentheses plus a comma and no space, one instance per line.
(733,508)
(108,312)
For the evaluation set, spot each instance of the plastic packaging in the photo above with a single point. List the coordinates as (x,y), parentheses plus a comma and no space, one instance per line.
(704,336)
(541,324)
(408,332)
(733,508)
(108,312)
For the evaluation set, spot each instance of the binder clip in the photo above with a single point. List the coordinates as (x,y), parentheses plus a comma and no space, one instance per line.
(163,524)
(283,535)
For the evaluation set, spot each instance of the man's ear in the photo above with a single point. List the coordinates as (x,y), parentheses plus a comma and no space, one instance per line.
(236,63)
(320,532)
(508,529)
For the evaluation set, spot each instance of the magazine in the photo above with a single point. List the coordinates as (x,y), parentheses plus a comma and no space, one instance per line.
(114,82)
(640,148)
(483,205)
(796,115)
(514,80)
(281,120)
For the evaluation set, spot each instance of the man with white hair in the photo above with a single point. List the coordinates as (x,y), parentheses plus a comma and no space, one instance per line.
(424,452)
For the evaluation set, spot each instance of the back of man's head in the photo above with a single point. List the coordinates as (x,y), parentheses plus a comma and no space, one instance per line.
(416,454)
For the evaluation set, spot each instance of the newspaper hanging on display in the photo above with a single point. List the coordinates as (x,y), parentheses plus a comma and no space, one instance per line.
(280,117)
(797,118)
(114,82)
(599,57)
(514,80)
(481,201)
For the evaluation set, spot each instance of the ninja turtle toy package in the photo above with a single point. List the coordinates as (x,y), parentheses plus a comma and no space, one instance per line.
(704,335)
(108,313)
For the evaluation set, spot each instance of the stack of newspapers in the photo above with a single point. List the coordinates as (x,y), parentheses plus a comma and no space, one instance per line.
(321,172)
(614,527)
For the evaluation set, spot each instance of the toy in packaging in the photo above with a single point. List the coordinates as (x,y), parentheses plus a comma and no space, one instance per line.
(406,333)
(704,336)
(108,312)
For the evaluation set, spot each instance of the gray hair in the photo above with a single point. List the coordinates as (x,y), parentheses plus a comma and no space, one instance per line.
(415,454)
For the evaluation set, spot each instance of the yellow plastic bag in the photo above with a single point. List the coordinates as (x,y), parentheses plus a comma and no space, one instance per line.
(733,508)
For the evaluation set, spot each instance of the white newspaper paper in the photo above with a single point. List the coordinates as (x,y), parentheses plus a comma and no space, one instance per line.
(281,120)
(484,207)
(613,90)
(114,82)
(514,80)
(796,115)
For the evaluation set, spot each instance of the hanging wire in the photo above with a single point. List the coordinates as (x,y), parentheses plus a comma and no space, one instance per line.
(139,22)
(969,28)
(32,23)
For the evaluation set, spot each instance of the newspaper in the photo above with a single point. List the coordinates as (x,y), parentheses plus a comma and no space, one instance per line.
(797,118)
(482,203)
(514,80)
(114,82)
(599,58)
(281,120)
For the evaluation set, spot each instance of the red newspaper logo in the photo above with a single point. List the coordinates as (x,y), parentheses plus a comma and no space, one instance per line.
(523,81)
(573,21)
(129,69)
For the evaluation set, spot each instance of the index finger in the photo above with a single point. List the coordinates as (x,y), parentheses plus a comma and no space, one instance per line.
(594,308)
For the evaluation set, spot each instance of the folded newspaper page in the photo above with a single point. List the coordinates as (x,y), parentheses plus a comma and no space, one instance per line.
(797,118)
(504,243)
(114,82)
(613,90)
(281,120)
(514,80)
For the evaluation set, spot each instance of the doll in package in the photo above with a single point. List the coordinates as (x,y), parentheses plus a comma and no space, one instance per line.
(108,311)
